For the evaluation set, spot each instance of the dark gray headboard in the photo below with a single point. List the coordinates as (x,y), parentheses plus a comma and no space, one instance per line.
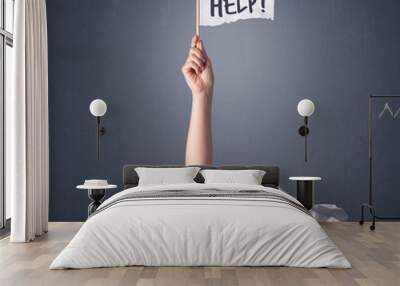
(130,178)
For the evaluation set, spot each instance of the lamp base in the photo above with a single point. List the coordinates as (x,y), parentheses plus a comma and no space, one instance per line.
(95,195)
(303,130)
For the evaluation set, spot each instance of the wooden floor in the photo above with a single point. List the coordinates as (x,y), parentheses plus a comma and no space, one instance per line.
(375,257)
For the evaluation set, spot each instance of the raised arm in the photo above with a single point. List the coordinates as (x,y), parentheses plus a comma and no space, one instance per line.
(200,78)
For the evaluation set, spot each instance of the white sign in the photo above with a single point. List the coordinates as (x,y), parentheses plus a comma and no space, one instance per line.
(217,12)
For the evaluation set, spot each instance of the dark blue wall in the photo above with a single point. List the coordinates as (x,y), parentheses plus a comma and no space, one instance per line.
(129,53)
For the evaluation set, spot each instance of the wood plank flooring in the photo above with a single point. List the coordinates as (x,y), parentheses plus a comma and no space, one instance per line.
(375,257)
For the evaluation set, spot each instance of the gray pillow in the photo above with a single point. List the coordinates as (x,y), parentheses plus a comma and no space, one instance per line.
(248,177)
(165,176)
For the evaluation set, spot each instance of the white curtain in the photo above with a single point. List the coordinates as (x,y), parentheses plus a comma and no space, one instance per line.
(28,148)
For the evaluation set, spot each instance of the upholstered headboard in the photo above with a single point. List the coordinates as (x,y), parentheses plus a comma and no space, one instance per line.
(130,178)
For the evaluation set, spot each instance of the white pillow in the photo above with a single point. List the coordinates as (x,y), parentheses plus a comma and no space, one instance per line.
(164,176)
(248,177)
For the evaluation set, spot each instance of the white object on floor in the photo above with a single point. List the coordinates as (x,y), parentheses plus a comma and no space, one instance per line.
(328,213)
(189,231)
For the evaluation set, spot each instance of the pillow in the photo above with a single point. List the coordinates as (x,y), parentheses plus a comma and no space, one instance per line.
(164,176)
(248,177)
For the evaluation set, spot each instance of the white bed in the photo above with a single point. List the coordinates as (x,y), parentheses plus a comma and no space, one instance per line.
(200,231)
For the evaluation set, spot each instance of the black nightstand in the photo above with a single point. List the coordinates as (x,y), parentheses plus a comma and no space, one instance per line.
(305,190)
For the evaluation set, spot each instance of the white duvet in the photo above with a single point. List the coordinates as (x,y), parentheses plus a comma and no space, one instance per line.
(199,231)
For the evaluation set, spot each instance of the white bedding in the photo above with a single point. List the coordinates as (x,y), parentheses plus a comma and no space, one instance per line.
(200,231)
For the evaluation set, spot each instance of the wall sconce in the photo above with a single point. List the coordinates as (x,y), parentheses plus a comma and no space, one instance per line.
(305,108)
(98,108)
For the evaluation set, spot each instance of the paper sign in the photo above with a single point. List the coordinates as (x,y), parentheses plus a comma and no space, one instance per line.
(217,12)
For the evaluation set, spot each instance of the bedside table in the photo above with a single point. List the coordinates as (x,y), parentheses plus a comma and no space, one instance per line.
(305,190)
(96,191)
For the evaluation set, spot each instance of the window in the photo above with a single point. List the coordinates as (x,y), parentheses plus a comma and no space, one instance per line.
(6,65)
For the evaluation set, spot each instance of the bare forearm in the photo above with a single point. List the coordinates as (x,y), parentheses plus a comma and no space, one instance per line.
(199,139)
(199,76)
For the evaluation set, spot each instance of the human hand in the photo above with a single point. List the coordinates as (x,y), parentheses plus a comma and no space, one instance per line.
(197,69)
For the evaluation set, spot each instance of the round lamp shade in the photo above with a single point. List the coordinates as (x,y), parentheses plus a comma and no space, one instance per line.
(98,107)
(306,107)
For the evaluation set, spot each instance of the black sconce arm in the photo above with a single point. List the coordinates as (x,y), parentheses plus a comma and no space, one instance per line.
(100,131)
(304,131)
